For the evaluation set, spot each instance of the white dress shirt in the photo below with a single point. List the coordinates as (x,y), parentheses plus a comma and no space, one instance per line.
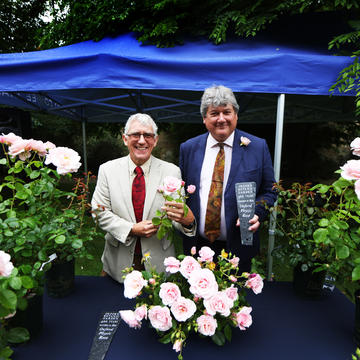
(207,169)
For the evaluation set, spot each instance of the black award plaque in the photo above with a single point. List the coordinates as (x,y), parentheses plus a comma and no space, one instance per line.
(245,197)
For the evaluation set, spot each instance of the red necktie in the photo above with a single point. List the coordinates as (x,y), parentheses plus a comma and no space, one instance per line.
(213,210)
(138,199)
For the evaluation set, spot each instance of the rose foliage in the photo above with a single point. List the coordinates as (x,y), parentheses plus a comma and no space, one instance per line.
(196,295)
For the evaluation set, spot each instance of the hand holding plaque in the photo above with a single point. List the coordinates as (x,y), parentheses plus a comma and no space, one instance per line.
(245,197)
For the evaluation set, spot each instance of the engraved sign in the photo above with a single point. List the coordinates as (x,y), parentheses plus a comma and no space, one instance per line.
(245,197)
(106,329)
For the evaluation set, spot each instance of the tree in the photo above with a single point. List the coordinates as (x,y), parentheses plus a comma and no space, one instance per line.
(20,21)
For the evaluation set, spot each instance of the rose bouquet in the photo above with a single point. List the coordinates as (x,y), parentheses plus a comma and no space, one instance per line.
(196,295)
(38,217)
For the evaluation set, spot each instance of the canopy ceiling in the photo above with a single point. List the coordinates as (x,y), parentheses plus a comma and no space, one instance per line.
(115,77)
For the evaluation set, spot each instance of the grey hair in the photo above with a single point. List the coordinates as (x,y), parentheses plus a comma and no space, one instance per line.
(217,95)
(143,119)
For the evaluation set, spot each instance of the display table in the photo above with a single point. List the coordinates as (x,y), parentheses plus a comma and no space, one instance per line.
(284,327)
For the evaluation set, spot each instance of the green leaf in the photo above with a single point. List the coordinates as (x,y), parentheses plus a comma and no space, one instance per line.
(158,213)
(77,244)
(3,161)
(166,338)
(218,338)
(228,332)
(34,174)
(342,251)
(60,239)
(355,275)
(8,299)
(324,222)
(320,235)
(15,283)
(18,335)
(27,282)
(156,221)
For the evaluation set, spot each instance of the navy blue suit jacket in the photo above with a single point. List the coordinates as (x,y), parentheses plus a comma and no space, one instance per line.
(249,163)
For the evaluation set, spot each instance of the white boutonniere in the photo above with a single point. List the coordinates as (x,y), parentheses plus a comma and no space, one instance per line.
(244,141)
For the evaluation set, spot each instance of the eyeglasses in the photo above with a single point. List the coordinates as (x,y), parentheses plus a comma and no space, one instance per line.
(136,136)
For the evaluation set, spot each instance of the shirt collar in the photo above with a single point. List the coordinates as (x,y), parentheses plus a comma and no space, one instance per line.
(145,166)
(211,142)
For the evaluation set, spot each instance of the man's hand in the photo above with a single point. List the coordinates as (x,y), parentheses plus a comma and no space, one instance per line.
(254,223)
(144,228)
(175,211)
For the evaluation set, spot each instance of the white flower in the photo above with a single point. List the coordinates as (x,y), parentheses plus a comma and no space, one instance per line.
(133,284)
(244,141)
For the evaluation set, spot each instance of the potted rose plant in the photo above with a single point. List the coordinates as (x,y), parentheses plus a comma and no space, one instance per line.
(38,218)
(298,211)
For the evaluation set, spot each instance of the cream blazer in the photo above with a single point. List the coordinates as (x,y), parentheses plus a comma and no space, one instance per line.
(112,204)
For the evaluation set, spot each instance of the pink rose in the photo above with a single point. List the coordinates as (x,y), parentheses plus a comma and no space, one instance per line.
(172,264)
(129,317)
(232,293)
(9,139)
(206,325)
(171,185)
(49,145)
(206,254)
(193,250)
(357,188)
(188,265)
(244,141)
(183,309)
(133,284)
(152,281)
(351,170)
(169,292)
(177,345)
(203,283)
(160,318)
(234,261)
(243,317)
(255,282)
(6,266)
(65,159)
(141,312)
(355,146)
(219,303)
(39,147)
(191,189)
(232,278)
(21,148)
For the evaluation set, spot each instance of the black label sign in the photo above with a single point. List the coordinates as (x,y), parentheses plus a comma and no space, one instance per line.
(245,197)
(106,329)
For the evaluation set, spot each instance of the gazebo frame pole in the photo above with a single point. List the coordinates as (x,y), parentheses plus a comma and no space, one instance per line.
(277,166)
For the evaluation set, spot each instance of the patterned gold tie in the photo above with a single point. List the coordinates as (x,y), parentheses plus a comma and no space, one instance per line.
(213,210)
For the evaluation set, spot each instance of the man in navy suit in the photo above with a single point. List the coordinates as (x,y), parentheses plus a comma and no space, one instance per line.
(247,158)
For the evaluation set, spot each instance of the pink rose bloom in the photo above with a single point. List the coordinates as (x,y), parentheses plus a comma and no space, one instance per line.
(206,325)
(65,159)
(219,303)
(6,266)
(129,317)
(152,281)
(243,317)
(351,170)
(234,261)
(232,293)
(133,284)
(177,345)
(160,318)
(203,283)
(9,138)
(171,185)
(191,189)
(357,188)
(183,309)
(188,265)
(193,250)
(355,146)
(39,147)
(21,148)
(169,293)
(206,254)
(49,145)
(255,282)
(161,189)
(232,278)
(141,312)
(172,264)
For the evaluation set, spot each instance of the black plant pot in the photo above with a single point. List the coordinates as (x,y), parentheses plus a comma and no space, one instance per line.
(60,279)
(307,283)
(30,318)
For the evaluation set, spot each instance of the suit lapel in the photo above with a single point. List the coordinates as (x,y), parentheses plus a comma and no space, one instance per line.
(126,186)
